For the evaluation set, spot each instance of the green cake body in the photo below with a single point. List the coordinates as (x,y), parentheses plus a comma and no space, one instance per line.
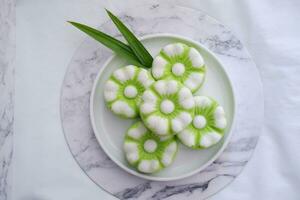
(123,90)
(146,151)
(208,124)
(181,63)
(167,107)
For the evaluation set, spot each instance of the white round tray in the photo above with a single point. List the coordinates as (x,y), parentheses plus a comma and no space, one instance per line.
(190,23)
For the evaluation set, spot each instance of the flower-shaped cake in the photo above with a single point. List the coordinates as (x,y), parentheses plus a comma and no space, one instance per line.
(124,88)
(146,151)
(167,107)
(182,63)
(208,124)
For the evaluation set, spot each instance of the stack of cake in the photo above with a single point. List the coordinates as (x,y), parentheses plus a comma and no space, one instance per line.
(168,111)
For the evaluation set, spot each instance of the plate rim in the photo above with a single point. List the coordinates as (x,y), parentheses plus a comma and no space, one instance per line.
(146,176)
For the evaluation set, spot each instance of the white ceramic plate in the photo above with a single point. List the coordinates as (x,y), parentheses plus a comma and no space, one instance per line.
(110,129)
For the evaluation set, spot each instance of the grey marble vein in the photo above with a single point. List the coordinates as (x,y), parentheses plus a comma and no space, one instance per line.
(7,55)
(172,190)
(162,18)
(188,189)
(133,192)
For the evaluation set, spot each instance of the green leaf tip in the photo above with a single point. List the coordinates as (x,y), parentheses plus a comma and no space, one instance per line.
(110,42)
(137,47)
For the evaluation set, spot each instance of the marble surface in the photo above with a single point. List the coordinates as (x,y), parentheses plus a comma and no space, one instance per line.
(7,55)
(191,23)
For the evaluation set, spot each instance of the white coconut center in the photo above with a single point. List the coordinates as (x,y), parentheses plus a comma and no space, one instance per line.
(199,121)
(150,146)
(130,91)
(167,106)
(178,69)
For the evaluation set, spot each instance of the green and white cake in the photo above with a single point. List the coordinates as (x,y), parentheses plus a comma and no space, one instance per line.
(208,124)
(167,107)
(182,63)
(146,151)
(124,88)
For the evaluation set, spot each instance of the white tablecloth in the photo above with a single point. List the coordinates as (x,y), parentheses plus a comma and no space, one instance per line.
(43,166)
